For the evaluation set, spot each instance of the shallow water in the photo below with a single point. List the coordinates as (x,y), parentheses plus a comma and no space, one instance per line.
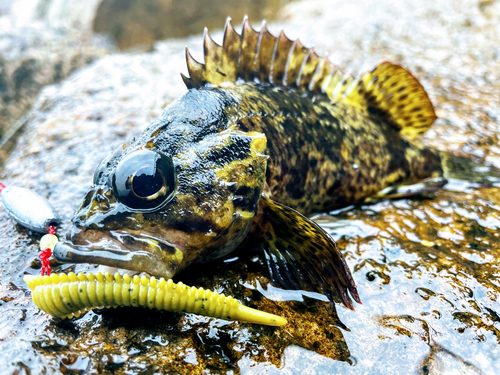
(427,269)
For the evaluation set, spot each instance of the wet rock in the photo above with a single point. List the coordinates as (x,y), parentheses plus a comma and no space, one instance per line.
(441,361)
(36,50)
(426,268)
(32,57)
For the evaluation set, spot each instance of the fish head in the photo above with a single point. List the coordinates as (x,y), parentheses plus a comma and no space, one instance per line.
(155,212)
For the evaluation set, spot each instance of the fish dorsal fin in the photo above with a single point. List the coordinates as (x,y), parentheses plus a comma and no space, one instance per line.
(393,93)
(388,91)
(258,56)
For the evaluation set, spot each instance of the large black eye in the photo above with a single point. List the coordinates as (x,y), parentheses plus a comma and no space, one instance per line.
(144,180)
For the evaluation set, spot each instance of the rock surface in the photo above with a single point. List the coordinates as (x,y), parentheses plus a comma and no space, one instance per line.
(427,269)
(36,51)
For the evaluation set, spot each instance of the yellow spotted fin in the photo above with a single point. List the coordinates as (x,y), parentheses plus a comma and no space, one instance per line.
(301,255)
(391,92)
(388,92)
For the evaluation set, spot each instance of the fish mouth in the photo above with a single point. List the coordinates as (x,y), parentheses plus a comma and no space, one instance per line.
(129,250)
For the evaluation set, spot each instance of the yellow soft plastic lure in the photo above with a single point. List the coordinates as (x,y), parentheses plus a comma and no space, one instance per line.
(69,295)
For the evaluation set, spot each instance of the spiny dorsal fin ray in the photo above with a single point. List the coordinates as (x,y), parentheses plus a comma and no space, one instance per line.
(294,64)
(196,71)
(267,43)
(258,55)
(308,69)
(249,41)
(231,52)
(215,71)
(280,58)
(321,74)
(393,93)
(388,90)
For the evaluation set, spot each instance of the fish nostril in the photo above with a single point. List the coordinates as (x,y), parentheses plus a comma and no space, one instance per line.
(88,198)
(102,201)
(76,230)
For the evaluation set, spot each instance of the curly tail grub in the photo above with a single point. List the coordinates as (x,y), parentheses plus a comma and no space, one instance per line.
(68,295)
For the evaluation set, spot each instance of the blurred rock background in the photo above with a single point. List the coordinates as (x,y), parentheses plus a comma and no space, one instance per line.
(132,22)
(43,41)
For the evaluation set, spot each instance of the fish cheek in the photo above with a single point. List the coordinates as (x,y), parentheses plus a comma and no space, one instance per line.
(227,240)
(237,212)
(173,258)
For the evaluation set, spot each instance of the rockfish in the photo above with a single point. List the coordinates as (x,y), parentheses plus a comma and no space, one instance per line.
(267,133)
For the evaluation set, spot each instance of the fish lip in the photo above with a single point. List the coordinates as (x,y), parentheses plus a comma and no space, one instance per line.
(82,237)
(84,245)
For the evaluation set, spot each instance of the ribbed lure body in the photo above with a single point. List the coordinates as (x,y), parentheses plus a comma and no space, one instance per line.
(68,295)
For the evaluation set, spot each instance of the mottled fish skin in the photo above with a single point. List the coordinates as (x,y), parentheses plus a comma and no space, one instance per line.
(325,155)
(264,135)
(321,156)
(220,174)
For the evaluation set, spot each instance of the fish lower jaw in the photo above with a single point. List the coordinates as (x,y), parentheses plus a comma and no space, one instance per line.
(130,261)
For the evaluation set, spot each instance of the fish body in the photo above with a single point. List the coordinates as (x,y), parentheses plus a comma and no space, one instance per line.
(263,136)
(324,155)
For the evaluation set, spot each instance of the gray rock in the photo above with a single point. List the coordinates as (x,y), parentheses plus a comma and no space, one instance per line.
(34,56)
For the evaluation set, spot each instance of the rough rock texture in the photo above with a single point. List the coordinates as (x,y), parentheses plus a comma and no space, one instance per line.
(41,42)
(427,269)
(34,56)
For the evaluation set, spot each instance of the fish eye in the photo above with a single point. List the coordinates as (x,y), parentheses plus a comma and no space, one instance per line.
(147,182)
(105,164)
(144,179)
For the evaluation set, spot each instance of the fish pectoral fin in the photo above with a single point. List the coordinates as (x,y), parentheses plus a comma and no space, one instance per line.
(426,186)
(301,255)
(392,93)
